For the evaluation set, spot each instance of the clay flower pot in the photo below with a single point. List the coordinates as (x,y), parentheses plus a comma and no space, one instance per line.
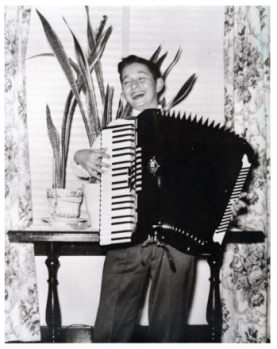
(64,203)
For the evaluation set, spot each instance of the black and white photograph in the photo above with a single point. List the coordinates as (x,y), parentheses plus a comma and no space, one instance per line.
(137,173)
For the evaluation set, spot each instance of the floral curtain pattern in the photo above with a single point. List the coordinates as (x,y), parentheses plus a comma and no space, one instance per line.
(244,275)
(21,298)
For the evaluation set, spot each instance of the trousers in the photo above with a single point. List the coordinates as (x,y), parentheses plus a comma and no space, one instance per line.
(124,282)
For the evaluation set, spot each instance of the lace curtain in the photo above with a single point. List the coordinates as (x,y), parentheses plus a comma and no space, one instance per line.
(21,298)
(244,275)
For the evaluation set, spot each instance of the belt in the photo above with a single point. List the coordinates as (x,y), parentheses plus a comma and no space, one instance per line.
(152,239)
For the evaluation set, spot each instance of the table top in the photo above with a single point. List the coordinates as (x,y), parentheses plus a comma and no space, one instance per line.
(40,231)
(43,232)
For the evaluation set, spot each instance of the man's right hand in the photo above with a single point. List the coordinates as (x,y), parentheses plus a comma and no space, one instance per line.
(91,161)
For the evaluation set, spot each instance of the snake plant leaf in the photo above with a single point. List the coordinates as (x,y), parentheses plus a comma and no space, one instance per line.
(70,105)
(62,58)
(79,82)
(173,63)
(98,67)
(123,111)
(183,92)
(42,55)
(100,79)
(127,111)
(75,67)
(110,105)
(119,108)
(55,143)
(155,55)
(66,128)
(101,27)
(69,111)
(90,33)
(107,114)
(58,49)
(161,60)
(94,125)
(99,49)
(102,41)
(97,54)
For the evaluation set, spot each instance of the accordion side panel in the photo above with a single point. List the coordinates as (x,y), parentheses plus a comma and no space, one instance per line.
(198,171)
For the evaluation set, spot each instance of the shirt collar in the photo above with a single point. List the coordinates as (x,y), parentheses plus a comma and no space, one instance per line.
(135,112)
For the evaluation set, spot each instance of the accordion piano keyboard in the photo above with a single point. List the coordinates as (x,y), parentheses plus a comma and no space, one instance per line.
(118,199)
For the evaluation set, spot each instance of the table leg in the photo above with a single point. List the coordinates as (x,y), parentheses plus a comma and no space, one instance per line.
(53,312)
(214,309)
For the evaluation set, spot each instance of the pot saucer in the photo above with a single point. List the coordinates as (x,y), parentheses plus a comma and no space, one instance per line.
(63,220)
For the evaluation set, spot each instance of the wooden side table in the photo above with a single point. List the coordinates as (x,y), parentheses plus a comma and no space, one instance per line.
(54,242)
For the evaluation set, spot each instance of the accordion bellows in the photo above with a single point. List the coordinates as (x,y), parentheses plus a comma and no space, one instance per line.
(188,171)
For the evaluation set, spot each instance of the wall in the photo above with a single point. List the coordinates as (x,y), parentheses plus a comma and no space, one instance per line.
(139,30)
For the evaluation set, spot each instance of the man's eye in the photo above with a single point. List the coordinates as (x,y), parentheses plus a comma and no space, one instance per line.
(126,82)
(141,79)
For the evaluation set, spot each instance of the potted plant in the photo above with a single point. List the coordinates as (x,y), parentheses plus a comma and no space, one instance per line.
(79,77)
(64,202)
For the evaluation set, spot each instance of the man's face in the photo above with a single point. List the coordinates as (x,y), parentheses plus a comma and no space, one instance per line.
(139,86)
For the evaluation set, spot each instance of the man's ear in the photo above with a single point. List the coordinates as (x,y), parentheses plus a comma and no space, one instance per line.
(159,85)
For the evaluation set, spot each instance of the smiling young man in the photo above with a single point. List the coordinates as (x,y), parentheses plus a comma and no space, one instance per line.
(141,82)
(127,269)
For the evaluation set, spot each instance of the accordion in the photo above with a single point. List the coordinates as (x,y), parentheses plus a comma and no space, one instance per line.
(173,176)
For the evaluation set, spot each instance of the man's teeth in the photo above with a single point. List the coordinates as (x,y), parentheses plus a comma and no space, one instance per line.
(138,95)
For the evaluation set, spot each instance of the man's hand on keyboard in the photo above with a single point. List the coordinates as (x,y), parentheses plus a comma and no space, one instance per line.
(239,204)
(91,161)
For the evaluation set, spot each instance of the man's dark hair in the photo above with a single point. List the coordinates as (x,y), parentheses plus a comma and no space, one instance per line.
(154,69)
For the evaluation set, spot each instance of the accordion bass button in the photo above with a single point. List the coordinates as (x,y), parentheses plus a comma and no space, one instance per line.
(188,248)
